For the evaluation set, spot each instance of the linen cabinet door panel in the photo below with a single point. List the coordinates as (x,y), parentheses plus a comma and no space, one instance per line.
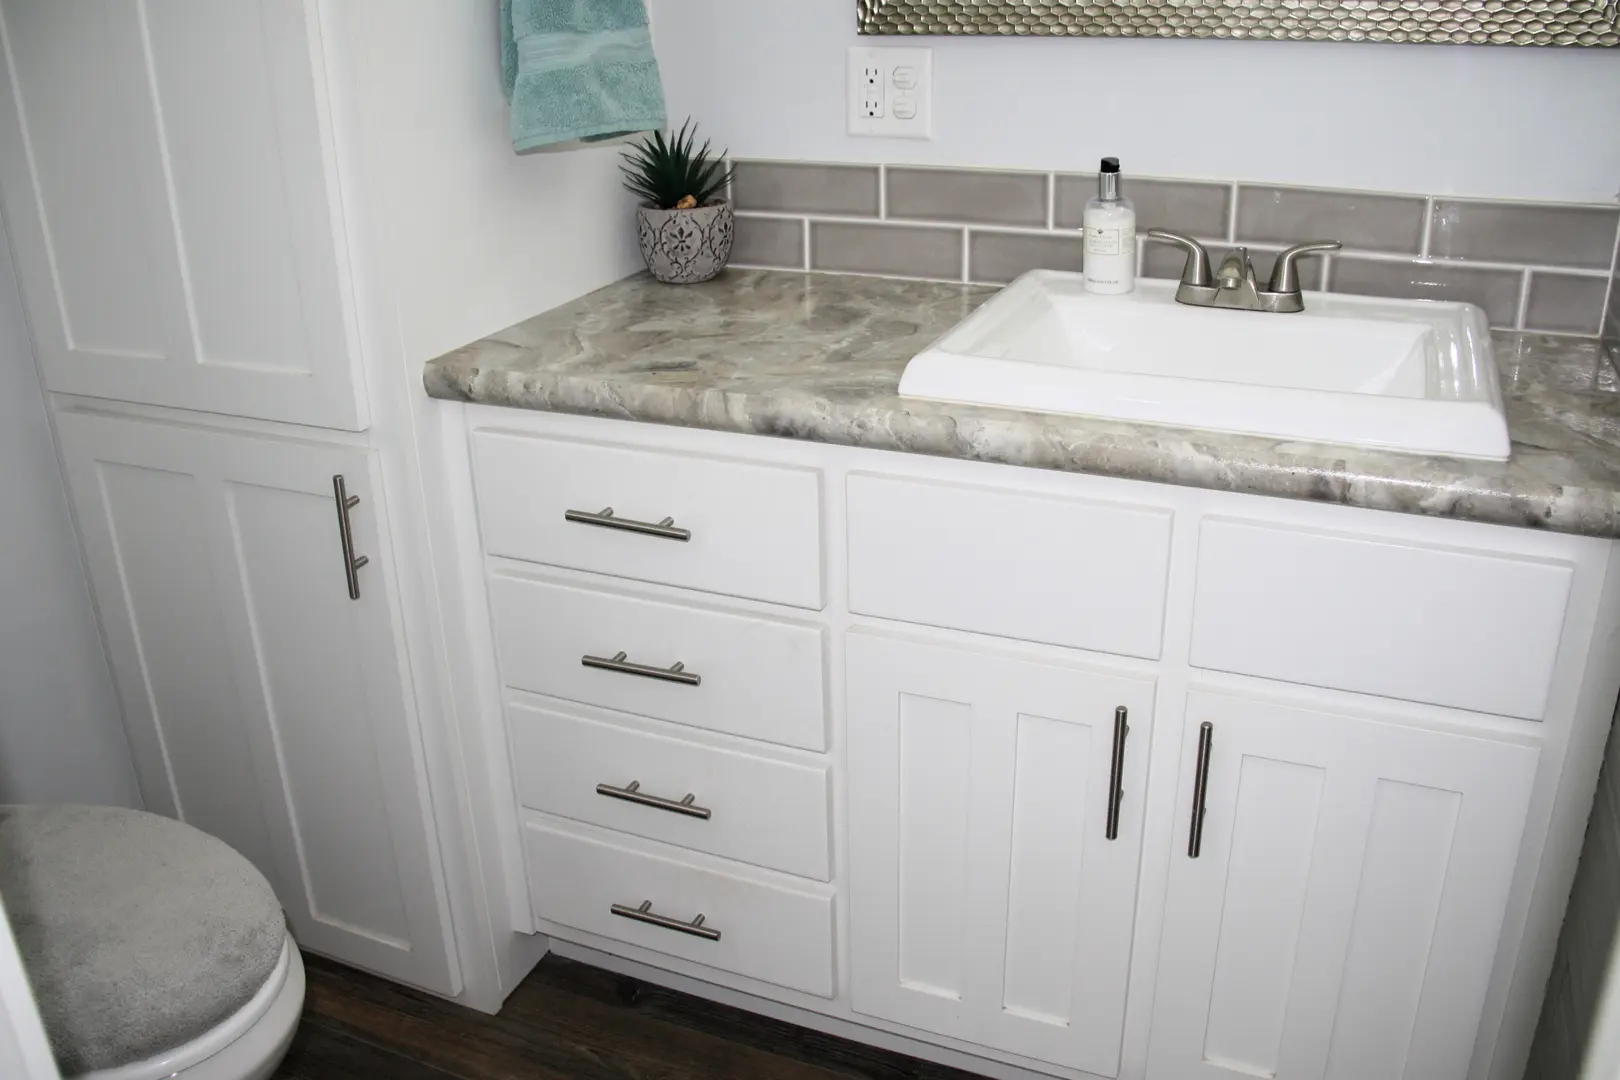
(988,901)
(1340,918)
(263,702)
(168,174)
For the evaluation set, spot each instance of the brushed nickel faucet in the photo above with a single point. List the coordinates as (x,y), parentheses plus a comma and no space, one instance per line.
(1234,285)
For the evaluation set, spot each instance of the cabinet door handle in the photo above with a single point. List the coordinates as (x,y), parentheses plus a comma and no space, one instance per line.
(603,518)
(1195,837)
(645,914)
(1116,771)
(632,793)
(351,562)
(675,673)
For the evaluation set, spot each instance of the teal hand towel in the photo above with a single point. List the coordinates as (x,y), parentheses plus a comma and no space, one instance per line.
(578,70)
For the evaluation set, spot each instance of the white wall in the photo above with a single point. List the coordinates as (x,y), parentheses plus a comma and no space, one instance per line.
(480,237)
(61,733)
(767,78)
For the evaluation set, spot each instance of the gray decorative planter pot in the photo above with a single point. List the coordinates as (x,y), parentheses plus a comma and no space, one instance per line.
(685,246)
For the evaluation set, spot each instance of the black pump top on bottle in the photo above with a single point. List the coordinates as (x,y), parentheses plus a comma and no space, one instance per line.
(1110,164)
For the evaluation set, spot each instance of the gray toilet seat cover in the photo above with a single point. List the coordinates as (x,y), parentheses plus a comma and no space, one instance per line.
(139,933)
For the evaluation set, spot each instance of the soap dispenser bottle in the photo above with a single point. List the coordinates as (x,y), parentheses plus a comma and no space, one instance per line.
(1109,225)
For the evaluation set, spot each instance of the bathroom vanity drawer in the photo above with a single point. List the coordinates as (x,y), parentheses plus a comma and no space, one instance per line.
(1083,574)
(740,674)
(741,806)
(762,930)
(700,523)
(1462,628)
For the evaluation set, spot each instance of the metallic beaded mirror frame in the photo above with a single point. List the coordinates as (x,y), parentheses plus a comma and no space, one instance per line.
(1457,22)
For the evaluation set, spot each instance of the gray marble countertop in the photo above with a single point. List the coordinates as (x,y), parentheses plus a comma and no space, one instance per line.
(819,357)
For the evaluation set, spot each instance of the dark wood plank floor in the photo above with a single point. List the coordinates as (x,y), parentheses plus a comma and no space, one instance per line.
(567,1021)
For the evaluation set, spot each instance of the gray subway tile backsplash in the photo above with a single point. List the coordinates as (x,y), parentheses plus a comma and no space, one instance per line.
(1553,262)
(1566,304)
(1497,291)
(848,190)
(973,196)
(769,241)
(1360,220)
(901,250)
(1192,207)
(1577,236)
(995,258)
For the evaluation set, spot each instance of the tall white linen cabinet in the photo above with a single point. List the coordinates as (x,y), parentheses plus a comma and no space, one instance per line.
(210,208)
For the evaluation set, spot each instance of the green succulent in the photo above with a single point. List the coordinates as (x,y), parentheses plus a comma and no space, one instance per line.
(664,172)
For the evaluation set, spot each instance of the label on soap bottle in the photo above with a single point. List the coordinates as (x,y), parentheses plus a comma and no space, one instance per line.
(1110,240)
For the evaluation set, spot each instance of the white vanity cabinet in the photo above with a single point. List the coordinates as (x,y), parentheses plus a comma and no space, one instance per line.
(265,703)
(995,834)
(1335,909)
(1403,721)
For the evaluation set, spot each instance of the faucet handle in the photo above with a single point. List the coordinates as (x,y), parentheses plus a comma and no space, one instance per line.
(1196,271)
(1284,275)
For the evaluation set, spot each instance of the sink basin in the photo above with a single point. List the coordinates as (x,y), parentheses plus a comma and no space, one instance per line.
(1415,376)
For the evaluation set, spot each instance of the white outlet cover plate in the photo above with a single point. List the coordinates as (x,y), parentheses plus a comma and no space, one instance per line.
(916,102)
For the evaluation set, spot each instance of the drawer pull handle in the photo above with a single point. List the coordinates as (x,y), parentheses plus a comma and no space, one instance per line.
(645,913)
(351,562)
(1116,771)
(632,793)
(675,673)
(1195,838)
(604,518)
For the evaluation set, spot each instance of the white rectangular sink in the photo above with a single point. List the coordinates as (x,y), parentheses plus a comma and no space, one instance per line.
(1415,376)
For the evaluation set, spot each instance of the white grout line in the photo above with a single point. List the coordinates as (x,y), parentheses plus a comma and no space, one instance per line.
(966,251)
(807,243)
(883,192)
(1424,246)
(1051,200)
(1524,300)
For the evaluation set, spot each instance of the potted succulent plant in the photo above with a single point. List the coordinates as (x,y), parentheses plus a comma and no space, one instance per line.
(684,223)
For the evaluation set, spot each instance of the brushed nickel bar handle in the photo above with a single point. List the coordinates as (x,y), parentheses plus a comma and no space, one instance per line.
(1116,770)
(351,562)
(604,518)
(632,793)
(675,673)
(645,914)
(1195,838)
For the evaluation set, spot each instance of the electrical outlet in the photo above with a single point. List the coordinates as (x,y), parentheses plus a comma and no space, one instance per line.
(890,92)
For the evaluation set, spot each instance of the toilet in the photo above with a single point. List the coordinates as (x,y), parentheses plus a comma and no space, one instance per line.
(154,950)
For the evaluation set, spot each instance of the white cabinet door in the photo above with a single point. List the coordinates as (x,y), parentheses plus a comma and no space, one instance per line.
(1341,917)
(987,901)
(168,177)
(264,705)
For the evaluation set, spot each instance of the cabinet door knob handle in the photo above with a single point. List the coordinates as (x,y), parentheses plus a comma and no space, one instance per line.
(675,673)
(644,913)
(1116,771)
(351,562)
(1195,837)
(604,519)
(632,793)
